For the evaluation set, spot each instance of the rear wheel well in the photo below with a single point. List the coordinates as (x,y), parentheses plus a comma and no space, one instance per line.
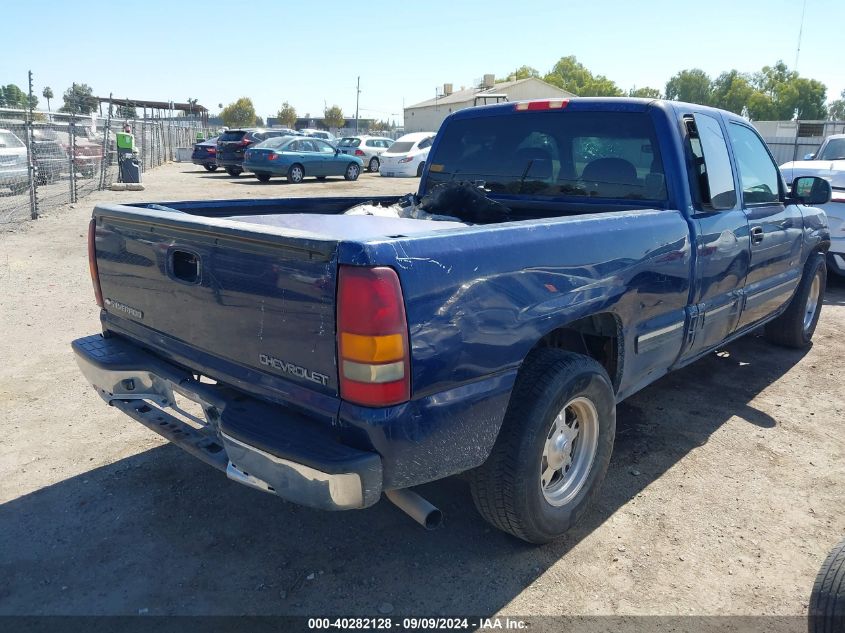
(597,336)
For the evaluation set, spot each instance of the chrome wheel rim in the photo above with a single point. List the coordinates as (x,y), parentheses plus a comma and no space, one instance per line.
(374,164)
(569,451)
(296,174)
(812,302)
(352,172)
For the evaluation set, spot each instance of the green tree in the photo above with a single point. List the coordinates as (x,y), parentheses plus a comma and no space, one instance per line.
(645,92)
(790,94)
(692,86)
(79,99)
(761,107)
(333,117)
(731,91)
(240,113)
(13,97)
(47,93)
(259,122)
(127,112)
(569,74)
(524,72)
(836,108)
(287,115)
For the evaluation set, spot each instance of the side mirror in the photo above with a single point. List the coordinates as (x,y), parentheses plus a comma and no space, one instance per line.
(809,156)
(810,190)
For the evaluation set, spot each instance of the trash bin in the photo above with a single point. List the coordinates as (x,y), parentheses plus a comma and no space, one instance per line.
(127,158)
(130,168)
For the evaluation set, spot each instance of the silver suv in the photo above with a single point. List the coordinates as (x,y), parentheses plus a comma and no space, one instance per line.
(367,148)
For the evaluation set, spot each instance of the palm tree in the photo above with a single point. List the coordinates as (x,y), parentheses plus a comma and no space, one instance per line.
(47,94)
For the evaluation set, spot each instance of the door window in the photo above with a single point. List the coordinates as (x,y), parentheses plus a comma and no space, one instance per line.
(758,173)
(711,164)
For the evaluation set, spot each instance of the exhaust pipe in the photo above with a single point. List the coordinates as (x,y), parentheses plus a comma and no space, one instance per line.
(416,507)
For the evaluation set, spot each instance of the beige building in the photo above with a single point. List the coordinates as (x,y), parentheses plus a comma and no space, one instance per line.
(428,115)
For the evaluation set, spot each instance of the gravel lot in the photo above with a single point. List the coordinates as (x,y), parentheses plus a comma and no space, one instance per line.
(725,493)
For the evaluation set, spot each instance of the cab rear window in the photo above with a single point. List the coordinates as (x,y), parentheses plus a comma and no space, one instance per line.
(610,155)
(232,136)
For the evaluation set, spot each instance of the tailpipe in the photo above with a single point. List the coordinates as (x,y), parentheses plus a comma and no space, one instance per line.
(416,507)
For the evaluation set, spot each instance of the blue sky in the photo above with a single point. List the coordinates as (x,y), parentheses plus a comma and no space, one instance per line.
(311,53)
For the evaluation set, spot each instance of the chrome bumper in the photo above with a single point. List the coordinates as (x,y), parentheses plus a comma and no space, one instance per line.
(143,387)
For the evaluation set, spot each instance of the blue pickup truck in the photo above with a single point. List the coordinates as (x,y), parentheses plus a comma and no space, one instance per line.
(596,244)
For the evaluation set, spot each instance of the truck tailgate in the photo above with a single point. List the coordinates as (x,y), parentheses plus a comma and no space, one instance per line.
(235,291)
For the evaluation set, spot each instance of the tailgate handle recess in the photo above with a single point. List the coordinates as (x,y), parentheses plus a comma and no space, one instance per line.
(185,266)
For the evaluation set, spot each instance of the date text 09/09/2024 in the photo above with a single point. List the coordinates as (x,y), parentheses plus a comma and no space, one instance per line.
(414,624)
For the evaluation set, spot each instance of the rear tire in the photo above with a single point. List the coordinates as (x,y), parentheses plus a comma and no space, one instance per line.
(553,449)
(263,177)
(296,173)
(827,600)
(420,169)
(795,327)
(373,165)
(210,167)
(352,171)
(234,172)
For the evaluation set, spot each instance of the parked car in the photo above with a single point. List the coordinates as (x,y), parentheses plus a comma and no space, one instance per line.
(49,154)
(407,156)
(232,144)
(827,163)
(14,171)
(205,154)
(321,134)
(368,148)
(87,148)
(594,246)
(298,157)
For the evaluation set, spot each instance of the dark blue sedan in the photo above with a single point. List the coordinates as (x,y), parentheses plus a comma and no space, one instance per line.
(205,154)
(299,157)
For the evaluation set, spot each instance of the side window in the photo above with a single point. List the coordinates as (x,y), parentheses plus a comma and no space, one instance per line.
(425,143)
(711,164)
(324,148)
(295,147)
(758,175)
(372,143)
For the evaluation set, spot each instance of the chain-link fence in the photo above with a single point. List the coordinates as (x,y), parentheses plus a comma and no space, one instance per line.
(48,159)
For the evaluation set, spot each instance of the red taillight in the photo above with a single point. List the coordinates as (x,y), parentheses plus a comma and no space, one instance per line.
(544,104)
(246,142)
(212,150)
(372,337)
(272,156)
(358,152)
(92,261)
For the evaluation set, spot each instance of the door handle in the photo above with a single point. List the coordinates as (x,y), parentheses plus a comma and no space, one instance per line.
(756,234)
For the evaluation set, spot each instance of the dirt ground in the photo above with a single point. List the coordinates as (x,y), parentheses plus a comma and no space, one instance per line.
(726,490)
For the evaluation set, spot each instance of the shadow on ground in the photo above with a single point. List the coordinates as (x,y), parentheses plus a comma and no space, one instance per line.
(162,531)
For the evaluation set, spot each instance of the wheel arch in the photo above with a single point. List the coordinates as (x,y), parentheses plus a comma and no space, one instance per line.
(598,336)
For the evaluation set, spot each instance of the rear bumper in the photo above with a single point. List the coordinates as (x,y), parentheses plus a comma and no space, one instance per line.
(13,175)
(204,161)
(401,170)
(257,444)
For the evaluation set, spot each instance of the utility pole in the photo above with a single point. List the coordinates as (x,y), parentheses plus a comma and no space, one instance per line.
(800,33)
(357,96)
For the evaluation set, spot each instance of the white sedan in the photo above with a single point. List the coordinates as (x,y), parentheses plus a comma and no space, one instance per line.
(407,156)
(829,164)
